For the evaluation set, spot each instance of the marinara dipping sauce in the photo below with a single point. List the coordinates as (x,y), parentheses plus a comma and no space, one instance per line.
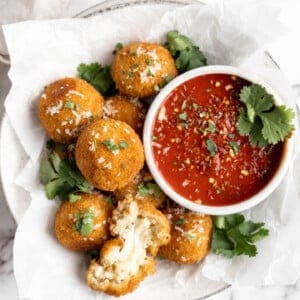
(197,147)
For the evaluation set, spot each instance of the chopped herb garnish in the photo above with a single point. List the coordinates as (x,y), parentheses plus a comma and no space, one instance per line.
(234,146)
(149,73)
(233,235)
(118,47)
(98,76)
(183,125)
(110,145)
(130,74)
(148,188)
(133,54)
(211,147)
(62,178)
(69,104)
(135,66)
(91,118)
(74,198)
(182,116)
(149,62)
(84,222)
(189,236)
(179,222)
(231,135)
(187,55)
(156,88)
(123,145)
(195,106)
(211,127)
(109,199)
(261,120)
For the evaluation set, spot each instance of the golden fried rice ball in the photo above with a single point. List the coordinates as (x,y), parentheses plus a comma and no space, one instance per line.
(109,154)
(142,188)
(127,109)
(140,68)
(67,106)
(139,229)
(190,236)
(83,225)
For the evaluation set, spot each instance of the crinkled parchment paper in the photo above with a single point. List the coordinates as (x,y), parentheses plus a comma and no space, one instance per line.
(229,32)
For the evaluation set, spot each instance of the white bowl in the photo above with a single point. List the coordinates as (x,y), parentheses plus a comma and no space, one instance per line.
(212,210)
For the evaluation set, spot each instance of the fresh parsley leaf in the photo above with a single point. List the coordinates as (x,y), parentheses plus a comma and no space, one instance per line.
(74,198)
(234,146)
(261,120)
(123,145)
(62,178)
(118,47)
(189,236)
(84,222)
(110,145)
(69,104)
(179,222)
(98,76)
(233,235)
(187,55)
(211,127)
(149,188)
(182,116)
(211,147)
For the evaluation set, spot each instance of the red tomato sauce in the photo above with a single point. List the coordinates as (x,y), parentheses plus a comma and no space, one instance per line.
(197,147)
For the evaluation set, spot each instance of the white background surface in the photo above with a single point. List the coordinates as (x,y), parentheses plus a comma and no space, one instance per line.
(283,51)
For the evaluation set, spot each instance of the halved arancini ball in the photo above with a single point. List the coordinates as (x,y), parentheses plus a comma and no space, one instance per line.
(83,225)
(190,236)
(67,106)
(109,154)
(127,109)
(139,69)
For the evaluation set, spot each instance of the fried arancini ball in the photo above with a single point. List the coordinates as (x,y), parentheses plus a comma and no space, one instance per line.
(139,230)
(190,236)
(83,225)
(109,154)
(142,188)
(127,109)
(67,106)
(139,69)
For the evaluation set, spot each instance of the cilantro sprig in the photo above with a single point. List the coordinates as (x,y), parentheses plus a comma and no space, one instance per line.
(187,55)
(261,120)
(62,178)
(84,222)
(98,76)
(233,235)
(148,188)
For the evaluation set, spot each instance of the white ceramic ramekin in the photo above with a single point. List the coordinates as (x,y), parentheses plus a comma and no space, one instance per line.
(212,210)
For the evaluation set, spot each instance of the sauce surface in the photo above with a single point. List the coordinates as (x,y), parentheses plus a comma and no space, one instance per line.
(197,147)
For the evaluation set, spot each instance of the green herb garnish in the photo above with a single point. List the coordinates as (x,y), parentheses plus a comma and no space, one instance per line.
(187,55)
(109,200)
(69,104)
(130,74)
(123,145)
(233,236)
(183,116)
(234,146)
(261,120)
(118,47)
(211,127)
(189,236)
(149,188)
(211,147)
(179,222)
(62,178)
(110,145)
(84,222)
(74,198)
(98,76)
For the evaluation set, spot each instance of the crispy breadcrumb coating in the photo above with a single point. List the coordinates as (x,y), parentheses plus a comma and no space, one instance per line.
(109,154)
(140,68)
(67,106)
(69,214)
(190,236)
